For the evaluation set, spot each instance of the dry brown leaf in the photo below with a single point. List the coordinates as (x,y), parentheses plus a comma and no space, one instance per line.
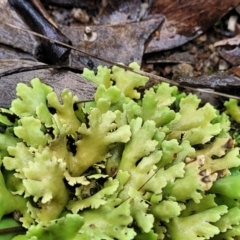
(58,79)
(185,20)
(123,43)
(231,55)
(229,41)
(235,71)
(221,81)
(12,37)
(177,57)
(7,52)
(119,11)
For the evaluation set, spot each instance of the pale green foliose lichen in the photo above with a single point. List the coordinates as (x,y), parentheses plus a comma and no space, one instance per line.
(160,166)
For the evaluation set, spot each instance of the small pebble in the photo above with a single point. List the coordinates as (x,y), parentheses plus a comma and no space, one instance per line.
(232,22)
(61,17)
(211,48)
(206,67)
(193,50)
(143,11)
(223,65)
(167,70)
(201,39)
(182,70)
(80,15)
(199,66)
(89,34)
(214,58)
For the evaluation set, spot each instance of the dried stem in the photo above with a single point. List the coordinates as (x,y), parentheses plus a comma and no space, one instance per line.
(12,230)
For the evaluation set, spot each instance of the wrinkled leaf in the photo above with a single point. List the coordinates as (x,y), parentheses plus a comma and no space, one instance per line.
(119,11)
(13,37)
(185,20)
(58,79)
(122,43)
(119,43)
(221,81)
(231,55)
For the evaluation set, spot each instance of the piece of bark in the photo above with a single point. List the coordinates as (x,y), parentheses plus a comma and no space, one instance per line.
(185,20)
(58,79)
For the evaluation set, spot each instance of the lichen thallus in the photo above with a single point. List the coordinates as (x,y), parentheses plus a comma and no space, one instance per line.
(127,68)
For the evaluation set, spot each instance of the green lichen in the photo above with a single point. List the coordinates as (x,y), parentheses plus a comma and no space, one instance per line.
(161,166)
